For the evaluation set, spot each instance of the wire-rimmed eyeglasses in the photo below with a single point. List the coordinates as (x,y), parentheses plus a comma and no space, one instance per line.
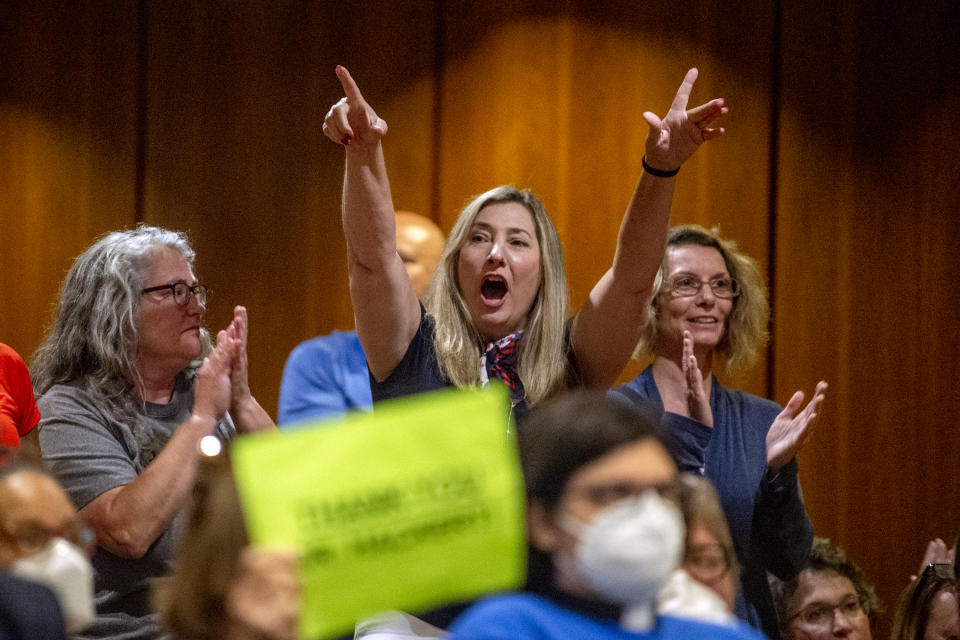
(685,286)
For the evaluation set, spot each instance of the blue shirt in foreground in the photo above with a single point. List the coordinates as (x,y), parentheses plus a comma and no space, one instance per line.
(524,616)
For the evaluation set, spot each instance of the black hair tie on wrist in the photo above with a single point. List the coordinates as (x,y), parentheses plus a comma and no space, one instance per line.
(658,172)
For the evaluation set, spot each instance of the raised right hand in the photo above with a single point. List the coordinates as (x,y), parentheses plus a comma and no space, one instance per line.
(680,133)
(352,122)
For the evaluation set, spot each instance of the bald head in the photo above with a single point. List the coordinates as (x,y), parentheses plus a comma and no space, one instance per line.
(419,243)
(31,504)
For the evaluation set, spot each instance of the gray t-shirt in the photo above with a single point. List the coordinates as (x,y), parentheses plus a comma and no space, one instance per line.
(90,452)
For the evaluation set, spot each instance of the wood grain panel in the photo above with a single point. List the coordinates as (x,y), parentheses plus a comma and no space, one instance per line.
(235,152)
(546,95)
(868,190)
(67,163)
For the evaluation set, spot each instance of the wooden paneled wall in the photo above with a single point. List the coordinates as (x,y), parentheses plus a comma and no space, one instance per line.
(866,207)
(68,121)
(838,173)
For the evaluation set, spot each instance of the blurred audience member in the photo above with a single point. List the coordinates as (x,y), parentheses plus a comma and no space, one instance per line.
(605,529)
(927,609)
(221,589)
(327,376)
(42,542)
(126,396)
(18,410)
(956,557)
(830,598)
(705,586)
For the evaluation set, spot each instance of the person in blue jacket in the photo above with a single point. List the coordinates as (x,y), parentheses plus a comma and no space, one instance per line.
(710,308)
(604,527)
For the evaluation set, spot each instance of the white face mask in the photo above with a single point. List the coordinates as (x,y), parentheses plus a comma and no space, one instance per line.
(64,569)
(628,550)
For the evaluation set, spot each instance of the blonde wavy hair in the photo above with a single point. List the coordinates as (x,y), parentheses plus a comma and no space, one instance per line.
(542,360)
(746,331)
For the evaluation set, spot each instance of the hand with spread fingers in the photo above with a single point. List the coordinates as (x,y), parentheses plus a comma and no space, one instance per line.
(792,427)
(681,132)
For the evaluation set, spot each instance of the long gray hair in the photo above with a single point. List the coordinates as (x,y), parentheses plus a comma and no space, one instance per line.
(94,339)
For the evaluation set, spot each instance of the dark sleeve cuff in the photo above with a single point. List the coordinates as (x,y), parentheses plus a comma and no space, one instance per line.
(690,440)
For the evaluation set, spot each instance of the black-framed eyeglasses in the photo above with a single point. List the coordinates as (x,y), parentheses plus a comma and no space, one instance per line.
(707,562)
(608,493)
(182,291)
(686,286)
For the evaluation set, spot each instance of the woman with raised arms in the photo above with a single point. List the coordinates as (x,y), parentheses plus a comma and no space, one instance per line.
(497,304)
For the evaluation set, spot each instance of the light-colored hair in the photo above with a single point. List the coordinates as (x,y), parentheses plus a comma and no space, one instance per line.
(542,357)
(94,339)
(746,330)
(701,507)
(192,601)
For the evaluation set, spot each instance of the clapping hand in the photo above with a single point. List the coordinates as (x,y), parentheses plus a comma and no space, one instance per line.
(236,335)
(792,427)
(698,404)
(213,388)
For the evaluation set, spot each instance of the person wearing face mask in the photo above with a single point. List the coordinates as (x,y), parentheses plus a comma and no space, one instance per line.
(604,528)
(328,376)
(497,304)
(704,587)
(710,308)
(42,542)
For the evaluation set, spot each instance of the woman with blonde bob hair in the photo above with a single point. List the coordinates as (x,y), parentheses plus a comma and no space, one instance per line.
(746,332)
(709,300)
(497,306)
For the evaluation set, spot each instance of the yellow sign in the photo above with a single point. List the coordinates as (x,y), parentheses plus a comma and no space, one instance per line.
(416,505)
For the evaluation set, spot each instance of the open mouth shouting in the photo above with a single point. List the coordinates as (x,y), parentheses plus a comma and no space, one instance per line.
(493,289)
